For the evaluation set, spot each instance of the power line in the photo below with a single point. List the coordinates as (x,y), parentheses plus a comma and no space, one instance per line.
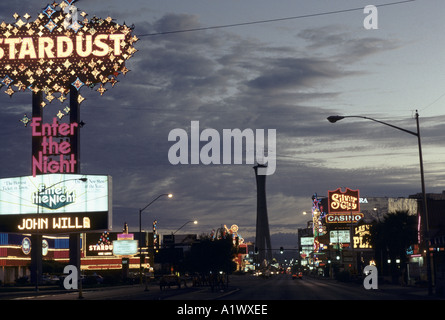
(269,20)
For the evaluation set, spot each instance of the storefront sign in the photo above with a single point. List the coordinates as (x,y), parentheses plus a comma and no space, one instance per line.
(55,203)
(343,217)
(340,202)
(361,236)
(100,244)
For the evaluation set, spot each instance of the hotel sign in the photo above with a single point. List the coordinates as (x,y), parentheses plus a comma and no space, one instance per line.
(362,235)
(61,47)
(342,202)
(55,203)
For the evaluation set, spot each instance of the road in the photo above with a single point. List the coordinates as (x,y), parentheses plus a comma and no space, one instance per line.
(282,287)
(245,287)
(271,298)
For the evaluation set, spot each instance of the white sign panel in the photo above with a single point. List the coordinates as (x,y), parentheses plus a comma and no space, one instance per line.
(55,193)
(125,247)
(307,241)
(339,236)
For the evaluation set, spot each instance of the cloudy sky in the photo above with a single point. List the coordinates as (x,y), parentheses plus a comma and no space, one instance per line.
(288,75)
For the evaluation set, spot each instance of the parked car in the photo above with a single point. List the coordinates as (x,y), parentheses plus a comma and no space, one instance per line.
(92,279)
(169,280)
(50,279)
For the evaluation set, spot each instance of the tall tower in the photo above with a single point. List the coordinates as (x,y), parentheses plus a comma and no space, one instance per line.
(262,239)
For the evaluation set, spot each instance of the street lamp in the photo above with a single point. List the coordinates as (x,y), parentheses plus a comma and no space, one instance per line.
(334,119)
(169,195)
(39,192)
(191,221)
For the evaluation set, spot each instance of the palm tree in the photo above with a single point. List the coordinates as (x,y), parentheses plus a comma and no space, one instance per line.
(390,238)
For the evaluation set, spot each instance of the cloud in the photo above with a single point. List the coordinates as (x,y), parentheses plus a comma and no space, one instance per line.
(347,46)
(225,81)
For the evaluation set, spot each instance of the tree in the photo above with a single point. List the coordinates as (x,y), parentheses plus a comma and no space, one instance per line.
(391,237)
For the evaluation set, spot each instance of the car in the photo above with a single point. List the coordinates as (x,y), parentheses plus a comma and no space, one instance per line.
(297,275)
(92,279)
(50,279)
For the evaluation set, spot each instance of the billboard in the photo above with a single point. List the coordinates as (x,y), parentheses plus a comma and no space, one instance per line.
(125,248)
(55,203)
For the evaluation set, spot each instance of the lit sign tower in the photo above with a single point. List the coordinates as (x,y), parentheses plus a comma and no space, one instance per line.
(318,215)
(62,48)
(58,52)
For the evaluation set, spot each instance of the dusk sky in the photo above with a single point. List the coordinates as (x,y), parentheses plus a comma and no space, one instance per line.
(287,75)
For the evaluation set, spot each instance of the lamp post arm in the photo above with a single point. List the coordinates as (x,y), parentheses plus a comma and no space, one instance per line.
(161,195)
(182,226)
(386,124)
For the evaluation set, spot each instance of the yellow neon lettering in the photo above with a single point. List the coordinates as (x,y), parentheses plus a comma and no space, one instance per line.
(46,45)
(117,38)
(12,42)
(102,45)
(88,45)
(64,47)
(27,49)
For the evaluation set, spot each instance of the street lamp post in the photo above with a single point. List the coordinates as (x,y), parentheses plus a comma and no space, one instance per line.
(39,245)
(191,221)
(169,195)
(334,119)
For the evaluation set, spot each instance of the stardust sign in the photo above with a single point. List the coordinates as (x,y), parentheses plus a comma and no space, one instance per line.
(62,47)
(55,203)
(342,202)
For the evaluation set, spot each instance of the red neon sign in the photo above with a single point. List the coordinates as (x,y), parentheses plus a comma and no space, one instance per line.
(55,156)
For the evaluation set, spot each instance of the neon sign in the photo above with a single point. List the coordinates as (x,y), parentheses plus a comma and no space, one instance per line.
(340,202)
(361,236)
(60,48)
(53,144)
(60,222)
(343,217)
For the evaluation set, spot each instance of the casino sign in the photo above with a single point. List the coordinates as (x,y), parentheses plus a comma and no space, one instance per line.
(343,217)
(60,48)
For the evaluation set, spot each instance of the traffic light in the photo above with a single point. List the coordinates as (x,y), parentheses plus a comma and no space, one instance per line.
(281,250)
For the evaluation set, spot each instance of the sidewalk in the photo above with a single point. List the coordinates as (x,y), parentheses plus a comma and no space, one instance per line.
(416,292)
(122,292)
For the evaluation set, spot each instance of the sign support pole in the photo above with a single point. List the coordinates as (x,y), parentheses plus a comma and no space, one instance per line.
(74,238)
(36,239)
